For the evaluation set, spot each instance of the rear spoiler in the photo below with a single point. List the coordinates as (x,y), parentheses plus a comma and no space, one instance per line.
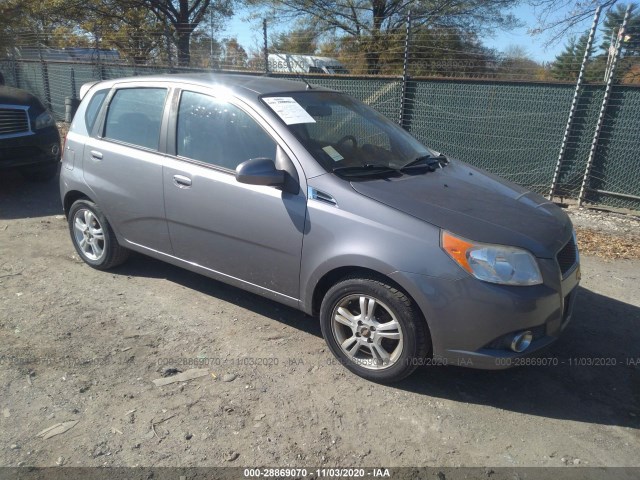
(86,87)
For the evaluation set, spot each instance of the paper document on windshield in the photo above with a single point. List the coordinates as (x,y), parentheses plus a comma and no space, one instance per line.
(333,153)
(290,111)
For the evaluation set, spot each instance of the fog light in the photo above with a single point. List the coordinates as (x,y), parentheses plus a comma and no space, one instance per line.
(55,149)
(521,341)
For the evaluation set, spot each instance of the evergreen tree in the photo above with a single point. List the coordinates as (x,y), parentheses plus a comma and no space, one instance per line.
(611,26)
(567,64)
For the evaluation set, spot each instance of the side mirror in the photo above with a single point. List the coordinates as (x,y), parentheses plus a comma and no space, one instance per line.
(260,171)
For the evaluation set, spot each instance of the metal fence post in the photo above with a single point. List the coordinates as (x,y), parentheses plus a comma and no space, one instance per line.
(211,60)
(96,35)
(168,45)
(603,108)
(16,71)
(44,70)
(574,103)
(73,83)
(405,73)
(265,47)
(100,66)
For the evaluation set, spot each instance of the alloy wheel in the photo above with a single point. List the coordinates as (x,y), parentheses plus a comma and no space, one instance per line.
(367,331)
(88,234)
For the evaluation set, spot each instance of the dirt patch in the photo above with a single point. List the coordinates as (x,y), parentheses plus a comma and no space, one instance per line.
(79,345)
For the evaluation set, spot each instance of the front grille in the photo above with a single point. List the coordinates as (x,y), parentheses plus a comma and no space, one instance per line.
(13,121)
(567,256)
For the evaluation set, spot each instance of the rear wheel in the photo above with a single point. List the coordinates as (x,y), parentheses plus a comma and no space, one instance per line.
(93,237)
(374,329)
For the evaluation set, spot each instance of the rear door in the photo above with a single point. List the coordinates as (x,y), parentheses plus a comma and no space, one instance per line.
(123,167)
(243,232)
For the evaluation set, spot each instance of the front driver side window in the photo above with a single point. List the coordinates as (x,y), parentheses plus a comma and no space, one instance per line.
(216,132)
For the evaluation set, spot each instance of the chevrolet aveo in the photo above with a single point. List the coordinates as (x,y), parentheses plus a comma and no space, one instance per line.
(310,198)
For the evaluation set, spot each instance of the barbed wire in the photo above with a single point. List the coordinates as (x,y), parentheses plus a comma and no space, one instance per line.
(427,55)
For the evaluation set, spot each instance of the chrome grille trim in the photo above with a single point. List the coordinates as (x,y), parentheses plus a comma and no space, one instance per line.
(14,121)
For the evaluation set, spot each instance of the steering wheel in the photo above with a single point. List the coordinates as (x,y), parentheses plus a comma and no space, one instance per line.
(348,138)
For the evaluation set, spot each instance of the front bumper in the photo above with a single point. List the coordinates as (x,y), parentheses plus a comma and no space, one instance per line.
(469,320)
(39,148)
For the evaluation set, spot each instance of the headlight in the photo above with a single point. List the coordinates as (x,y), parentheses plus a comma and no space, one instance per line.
(493,263)
(45,120)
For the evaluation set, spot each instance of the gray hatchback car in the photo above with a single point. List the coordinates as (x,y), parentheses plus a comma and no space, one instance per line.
(308,197)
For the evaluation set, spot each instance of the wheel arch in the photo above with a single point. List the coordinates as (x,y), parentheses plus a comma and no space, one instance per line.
(338,274)
(72,196)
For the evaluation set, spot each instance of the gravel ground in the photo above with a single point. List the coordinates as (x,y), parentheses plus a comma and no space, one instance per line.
(606,235)
(79,345)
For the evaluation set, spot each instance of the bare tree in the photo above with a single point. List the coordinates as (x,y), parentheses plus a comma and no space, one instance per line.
(557,18)
(184,16)
(371,23)
(127,24)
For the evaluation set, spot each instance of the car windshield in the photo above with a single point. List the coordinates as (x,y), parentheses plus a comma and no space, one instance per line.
(345,136)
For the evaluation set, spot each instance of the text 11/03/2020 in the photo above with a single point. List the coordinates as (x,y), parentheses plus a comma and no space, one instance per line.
(316,473)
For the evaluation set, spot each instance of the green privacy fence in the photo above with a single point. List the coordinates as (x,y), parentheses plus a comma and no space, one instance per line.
(616,167)
(513,129)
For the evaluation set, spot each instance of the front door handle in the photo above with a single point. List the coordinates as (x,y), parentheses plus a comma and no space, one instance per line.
(181,181)
(96,154)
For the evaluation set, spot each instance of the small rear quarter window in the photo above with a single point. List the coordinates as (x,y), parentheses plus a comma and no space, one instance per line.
(91,114)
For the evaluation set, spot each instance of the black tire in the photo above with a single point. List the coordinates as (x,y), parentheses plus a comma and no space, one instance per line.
(40,174)
(416,342)
(113,254)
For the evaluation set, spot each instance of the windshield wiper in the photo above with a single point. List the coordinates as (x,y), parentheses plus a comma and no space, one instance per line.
(364,170)
(428,161)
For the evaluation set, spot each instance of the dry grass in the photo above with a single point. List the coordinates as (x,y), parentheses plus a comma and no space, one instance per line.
(608,246)
(63,128)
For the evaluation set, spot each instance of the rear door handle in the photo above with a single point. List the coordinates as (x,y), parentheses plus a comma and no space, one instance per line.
(181,181)
(96,154)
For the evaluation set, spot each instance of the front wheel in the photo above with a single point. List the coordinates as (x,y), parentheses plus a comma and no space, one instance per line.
(374,329)
(93,237)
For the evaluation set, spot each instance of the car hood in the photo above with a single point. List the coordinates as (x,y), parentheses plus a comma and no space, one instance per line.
(476,205)
(15,96)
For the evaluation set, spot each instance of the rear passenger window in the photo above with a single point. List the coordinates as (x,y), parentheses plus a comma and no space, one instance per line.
(93,108)
(134,116)
(216,132)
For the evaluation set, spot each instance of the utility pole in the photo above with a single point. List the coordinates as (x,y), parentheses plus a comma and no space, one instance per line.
(211,63)
(265,52)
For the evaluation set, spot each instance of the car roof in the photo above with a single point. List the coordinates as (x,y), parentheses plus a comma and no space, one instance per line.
(242,85)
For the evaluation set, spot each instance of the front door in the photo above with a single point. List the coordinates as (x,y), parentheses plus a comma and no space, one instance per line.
(246,232)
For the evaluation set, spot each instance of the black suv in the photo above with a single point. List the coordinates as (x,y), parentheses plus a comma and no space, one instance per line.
(29,139)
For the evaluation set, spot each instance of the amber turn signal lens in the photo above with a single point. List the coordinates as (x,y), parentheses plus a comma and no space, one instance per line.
(457,249)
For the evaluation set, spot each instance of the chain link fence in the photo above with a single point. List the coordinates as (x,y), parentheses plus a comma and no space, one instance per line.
(494,112)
